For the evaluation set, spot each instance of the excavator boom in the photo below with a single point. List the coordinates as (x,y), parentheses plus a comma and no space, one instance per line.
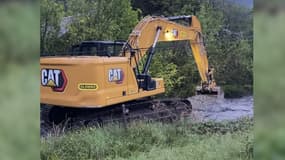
(151,30)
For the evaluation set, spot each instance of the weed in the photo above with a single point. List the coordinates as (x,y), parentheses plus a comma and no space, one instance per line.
(154,141)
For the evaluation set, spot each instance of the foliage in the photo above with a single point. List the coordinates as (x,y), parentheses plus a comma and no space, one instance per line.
(166,7)
(19,89)
(166,70)
(154,141)
(19,116)
(236,91)
(51,15)
(269,85)
(84,20)
(19,33)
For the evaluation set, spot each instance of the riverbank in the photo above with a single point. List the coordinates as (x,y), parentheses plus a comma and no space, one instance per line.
(223,140)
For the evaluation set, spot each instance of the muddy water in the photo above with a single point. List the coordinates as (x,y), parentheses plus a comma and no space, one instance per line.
(210,108)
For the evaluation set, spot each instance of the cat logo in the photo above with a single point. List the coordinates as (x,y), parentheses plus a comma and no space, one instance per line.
(175,33)
(171,34)
(54,78)
(116,75)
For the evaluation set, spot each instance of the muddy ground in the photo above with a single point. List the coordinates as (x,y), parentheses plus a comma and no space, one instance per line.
(207,108)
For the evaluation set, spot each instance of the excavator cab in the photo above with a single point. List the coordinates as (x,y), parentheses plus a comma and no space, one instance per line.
(97,48)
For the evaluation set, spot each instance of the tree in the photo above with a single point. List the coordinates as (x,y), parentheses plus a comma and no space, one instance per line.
(51,14)
(87,20)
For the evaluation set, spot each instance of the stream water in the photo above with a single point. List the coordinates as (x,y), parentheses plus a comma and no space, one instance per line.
(210,108)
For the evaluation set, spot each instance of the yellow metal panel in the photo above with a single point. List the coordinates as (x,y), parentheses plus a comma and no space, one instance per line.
(135,96)
(90,71)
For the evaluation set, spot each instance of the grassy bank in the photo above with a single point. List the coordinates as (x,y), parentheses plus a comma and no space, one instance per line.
(154,141)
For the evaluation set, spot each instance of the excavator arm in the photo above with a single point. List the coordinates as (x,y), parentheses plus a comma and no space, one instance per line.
(150,30)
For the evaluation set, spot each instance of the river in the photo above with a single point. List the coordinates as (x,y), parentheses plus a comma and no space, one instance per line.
(211,108)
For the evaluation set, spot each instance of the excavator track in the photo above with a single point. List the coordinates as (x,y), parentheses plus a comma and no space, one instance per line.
(158,110)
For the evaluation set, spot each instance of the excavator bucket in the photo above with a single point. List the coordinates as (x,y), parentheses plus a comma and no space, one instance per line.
(209,91)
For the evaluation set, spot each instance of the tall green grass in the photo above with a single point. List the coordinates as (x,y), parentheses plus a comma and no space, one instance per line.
(269,85)
(19,81)
(19,112)
(143,141)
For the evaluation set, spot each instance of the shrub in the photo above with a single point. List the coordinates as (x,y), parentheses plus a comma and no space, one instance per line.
(236,91)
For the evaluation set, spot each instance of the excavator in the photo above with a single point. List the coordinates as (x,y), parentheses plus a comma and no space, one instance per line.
(104,87)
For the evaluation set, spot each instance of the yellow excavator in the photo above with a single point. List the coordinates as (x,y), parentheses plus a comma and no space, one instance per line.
(106,83)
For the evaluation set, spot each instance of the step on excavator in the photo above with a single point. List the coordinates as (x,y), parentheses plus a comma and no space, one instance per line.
(104,84)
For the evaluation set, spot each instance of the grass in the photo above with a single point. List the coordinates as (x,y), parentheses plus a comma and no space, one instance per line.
(19,81)
(269,85)
(19,115)
(228,140)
